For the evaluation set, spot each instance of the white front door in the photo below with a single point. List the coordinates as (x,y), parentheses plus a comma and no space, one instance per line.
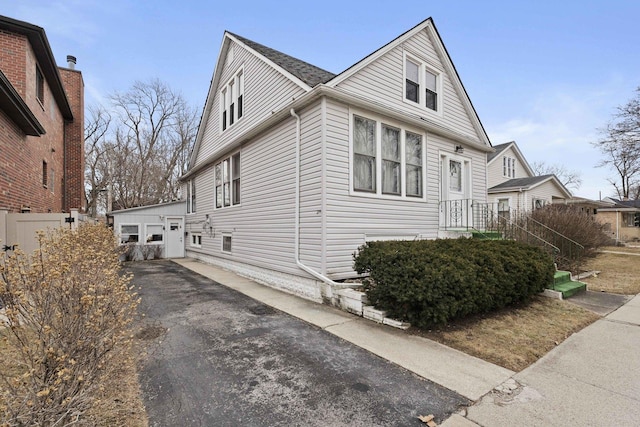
(175,238)
(455,201)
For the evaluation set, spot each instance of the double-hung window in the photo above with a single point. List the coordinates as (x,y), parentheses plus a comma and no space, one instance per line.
(509,167)
(129,233)
(191,196)
(154,233)
(232,100)
(387,159)
(422,84)
(227,181)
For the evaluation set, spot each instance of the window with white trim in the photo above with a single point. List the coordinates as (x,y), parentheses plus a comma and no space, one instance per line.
(226,243)
(509,167)
(538,203)
(129,233)
(232,100)
(154,234)
(227,181)
(422,83)
(196,240)
(387,159)
(191,196)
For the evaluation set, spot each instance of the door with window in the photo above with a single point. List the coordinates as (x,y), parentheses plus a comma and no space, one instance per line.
(455,204)
(175,237)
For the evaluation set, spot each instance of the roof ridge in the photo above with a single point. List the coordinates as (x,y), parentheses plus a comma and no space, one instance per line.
(311,74)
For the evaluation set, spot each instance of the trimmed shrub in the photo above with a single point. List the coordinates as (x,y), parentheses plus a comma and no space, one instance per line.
(68,321)
(428,282)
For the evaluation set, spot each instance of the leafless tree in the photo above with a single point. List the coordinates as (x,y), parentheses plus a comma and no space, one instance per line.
(144,150)
(620,146)
(96,175)
(569,178)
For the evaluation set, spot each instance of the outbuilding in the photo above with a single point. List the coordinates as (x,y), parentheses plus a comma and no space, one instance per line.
(155,231)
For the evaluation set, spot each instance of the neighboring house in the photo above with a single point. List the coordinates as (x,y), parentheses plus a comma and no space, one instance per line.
(42,122)
(621,219)
(160,226)
(513,186)
(295,167)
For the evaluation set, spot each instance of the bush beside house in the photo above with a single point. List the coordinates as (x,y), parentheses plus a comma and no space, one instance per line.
(427,282)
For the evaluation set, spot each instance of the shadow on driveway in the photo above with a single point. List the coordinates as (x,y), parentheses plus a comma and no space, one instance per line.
(219,358)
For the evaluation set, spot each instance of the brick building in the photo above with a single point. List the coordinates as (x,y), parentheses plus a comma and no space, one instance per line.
(41,124)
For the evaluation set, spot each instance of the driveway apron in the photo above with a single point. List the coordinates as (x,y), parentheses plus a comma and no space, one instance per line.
(219,358)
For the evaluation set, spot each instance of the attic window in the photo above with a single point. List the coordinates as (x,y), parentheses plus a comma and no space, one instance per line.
(422,84)
(232,100)
(509,167)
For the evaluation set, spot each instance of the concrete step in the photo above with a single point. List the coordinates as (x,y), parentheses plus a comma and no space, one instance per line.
(561,277)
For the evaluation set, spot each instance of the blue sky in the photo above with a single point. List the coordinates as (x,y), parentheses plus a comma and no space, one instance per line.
(546,74)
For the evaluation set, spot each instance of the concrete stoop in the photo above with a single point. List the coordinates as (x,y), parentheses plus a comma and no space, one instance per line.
(356,302)
(564,286)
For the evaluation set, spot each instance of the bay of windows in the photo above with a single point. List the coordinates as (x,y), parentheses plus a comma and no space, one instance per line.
(387,159)
(227,181)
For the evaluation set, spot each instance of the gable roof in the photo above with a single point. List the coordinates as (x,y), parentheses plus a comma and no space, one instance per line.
(319,82)
(441,49)
(44,56)
(308,73)
(528,183)
(501,148)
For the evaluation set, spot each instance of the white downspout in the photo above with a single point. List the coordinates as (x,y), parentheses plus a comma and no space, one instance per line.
(317,275)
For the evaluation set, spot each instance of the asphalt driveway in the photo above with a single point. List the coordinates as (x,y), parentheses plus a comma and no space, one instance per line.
(219,358)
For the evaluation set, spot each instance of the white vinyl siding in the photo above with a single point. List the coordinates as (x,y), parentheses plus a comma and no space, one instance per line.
(263,88)
(496,169)
(350,219)
(383,80)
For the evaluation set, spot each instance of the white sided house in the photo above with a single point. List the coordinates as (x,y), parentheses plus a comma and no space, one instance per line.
(156,231)
(295,167)
(514,187)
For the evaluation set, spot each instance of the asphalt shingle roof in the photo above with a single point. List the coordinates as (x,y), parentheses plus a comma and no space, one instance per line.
(499,149)
(310,74)
(628,203)
(521,182)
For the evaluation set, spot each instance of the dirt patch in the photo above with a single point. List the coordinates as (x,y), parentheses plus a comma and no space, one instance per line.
(515,337)
(150,332)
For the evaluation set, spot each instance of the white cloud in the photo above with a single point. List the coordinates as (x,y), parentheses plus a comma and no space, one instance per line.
(559,127)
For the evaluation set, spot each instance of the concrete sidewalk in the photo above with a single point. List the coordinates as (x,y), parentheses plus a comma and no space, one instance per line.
(590,379)
(467,375)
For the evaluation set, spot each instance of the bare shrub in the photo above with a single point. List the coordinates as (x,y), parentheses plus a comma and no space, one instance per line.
(574,224)
(157,251)
(68,321)
(146,251)
(130,251)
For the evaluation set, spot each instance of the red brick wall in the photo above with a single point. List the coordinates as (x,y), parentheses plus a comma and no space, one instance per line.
(74,134)
(21,156)
(13,57)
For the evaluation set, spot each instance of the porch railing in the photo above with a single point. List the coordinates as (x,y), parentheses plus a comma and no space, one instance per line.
(472,215)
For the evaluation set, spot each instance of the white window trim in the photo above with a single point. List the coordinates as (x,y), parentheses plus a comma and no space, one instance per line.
(120,232)
(146,234)
(192,242)
(229,158)
(508,167)
(229,235)
(380,120)
(191,196)
(238,84)
(424,65)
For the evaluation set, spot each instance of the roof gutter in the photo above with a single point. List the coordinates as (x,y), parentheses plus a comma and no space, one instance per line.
(347,98)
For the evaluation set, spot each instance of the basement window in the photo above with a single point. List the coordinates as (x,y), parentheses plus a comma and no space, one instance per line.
(226,243)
